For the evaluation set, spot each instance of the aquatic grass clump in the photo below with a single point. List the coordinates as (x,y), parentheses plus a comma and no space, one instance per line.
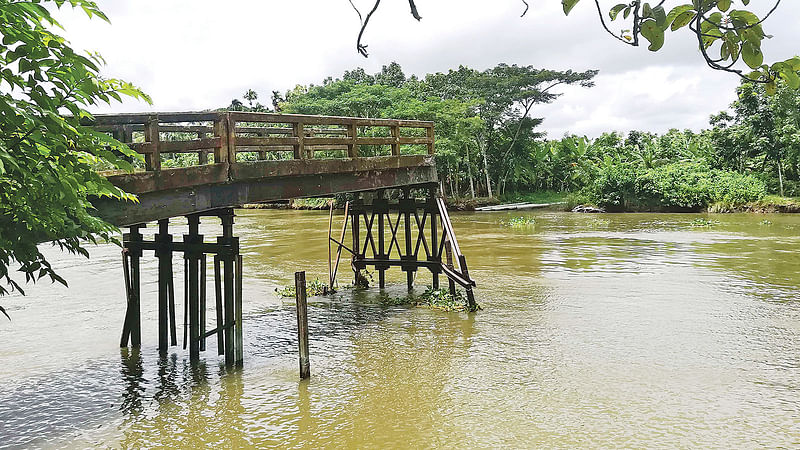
(519,222)
(703,222)
(437,299)
(313,288)
(765,222)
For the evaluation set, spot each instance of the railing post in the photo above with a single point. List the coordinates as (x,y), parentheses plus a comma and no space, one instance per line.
(202,156)
(151,136)
(221,132)
(231,125)
(352,147)
(431,144)
(300,134)
(396,140)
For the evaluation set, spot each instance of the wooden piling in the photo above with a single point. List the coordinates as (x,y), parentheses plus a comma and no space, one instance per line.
(164,255)
(218,305)
(202,318)
(135,324)
(194,294)
(238,334)
(302,323)
(448,250)
(228,288)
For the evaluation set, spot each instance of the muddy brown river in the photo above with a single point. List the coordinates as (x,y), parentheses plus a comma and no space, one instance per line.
(613,330)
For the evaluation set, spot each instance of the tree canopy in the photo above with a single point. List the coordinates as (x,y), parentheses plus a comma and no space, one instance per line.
(728,36)
(47,159)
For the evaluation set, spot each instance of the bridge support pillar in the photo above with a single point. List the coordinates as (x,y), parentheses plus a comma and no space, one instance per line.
(227,283)
(426,238)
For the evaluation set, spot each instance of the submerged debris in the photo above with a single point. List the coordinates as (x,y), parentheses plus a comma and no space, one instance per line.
(438,299)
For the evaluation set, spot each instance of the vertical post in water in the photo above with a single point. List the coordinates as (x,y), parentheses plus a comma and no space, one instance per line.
(192,256)
(302,323)
(462,261)
(202,261)
(218,305)
(381,207)
(133,326)
(228,286)
(435,256)
(406,208)
(164,254)
(238,334)
(355,211)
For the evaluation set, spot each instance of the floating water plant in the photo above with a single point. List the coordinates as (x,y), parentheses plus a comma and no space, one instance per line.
(702,222)
(765,222)
(313,288)
(519,222)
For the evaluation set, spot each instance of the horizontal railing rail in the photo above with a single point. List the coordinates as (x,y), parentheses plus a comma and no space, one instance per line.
(224,135)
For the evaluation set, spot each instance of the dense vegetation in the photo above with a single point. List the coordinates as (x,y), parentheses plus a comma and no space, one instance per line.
(488,144)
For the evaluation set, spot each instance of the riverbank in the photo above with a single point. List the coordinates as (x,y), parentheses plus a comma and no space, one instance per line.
(561,201)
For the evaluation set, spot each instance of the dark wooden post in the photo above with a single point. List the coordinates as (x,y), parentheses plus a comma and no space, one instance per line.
(381,207)
(133,325)
(202,261)
(302,323)
(192,255)
(228,286)
(355,212)
(406,206)
(239,330)
(218,305)
(164,254)
(435,256)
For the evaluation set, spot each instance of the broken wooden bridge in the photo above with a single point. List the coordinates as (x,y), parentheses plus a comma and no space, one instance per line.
(244,157)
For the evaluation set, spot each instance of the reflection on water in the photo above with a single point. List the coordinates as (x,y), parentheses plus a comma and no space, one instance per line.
(607,330)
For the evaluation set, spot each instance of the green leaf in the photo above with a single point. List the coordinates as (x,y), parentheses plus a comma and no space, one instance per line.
(792,78)
(653,33)
(568,5)
(752,56)
(723,5)
(683,19)
(616,9)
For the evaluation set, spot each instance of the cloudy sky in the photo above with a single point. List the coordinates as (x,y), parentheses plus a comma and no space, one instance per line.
(199,54)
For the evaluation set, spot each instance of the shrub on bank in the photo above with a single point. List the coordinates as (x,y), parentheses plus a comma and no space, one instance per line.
(673,187)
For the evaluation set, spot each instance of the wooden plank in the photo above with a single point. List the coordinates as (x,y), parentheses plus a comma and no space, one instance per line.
(324,120)
(313,141)
(140,118)
(352,147)
(143,148)
(189,146)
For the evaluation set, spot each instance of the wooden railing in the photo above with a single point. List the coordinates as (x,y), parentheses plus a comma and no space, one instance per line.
(224,135)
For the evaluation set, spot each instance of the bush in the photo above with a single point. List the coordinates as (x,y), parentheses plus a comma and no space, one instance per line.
(674,187)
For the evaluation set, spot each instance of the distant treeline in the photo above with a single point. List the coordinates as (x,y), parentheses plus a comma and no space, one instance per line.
(488,143)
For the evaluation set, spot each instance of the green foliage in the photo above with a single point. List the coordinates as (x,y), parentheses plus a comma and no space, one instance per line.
(682,186)
(701,222)
(726,37)
(519,222)
(441,299)
(47,159)
(313,289)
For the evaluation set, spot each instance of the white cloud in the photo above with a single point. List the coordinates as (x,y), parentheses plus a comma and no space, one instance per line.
(197,54)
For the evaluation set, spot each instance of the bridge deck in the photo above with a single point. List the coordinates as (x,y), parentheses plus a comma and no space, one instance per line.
(244,157)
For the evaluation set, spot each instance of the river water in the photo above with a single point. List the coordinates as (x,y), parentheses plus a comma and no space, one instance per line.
(613,330)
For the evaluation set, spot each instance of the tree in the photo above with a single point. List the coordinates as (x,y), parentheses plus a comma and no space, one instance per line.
(735,35)
(47,159)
